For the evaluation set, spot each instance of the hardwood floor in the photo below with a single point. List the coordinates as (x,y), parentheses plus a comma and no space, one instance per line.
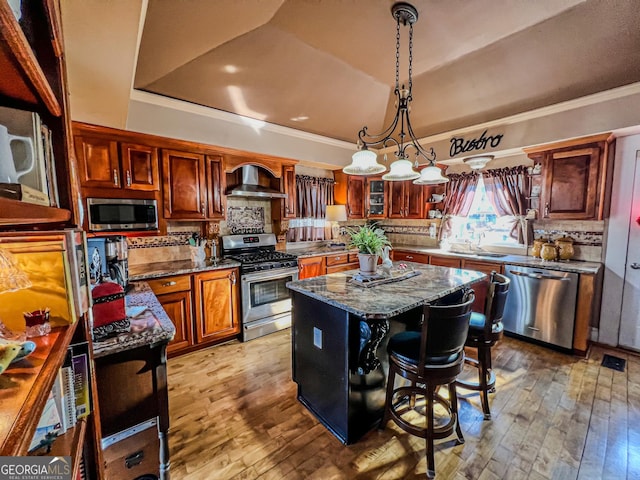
(234,415)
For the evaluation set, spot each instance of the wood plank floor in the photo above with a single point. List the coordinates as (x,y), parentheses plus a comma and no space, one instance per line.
(234,415)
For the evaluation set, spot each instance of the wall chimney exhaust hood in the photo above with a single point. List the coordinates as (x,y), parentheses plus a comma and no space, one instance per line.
(249,188)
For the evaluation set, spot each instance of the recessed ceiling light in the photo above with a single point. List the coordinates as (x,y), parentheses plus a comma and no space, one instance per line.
(301,118)
(230,68)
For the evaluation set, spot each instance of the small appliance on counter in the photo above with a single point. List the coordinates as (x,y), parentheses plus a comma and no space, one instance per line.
(108,260)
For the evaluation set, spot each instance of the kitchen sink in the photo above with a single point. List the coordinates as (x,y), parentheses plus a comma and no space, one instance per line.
(490,254)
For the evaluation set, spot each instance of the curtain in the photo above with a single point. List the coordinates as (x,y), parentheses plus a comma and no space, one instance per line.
(461,189)
(506,190)
(313,196)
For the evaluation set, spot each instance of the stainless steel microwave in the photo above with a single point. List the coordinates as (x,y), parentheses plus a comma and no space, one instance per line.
(119,214)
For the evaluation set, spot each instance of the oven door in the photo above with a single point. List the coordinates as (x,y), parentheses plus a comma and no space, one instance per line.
(265,294)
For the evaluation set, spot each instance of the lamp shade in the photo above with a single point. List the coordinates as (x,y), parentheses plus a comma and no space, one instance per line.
(478,162)
(336,213)
(11,277)
(431,175)
(401,170)
(363,162)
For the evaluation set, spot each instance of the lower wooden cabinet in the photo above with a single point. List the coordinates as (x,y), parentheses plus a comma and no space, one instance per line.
(204,307)
(480,288)
(402,256)
(311,267)
(445,261)
(217,299)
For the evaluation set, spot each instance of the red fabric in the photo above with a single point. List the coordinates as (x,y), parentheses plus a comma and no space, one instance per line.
(106,312)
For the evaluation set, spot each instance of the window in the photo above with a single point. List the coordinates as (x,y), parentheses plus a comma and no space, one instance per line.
(483,225)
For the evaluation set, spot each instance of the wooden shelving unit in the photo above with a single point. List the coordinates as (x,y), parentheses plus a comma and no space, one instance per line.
(15,212)
(25,386)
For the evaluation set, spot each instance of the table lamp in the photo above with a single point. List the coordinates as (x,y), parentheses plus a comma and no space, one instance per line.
(335,214)
(11,280)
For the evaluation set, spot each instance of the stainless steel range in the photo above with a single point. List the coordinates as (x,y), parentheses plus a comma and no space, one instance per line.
(266,301)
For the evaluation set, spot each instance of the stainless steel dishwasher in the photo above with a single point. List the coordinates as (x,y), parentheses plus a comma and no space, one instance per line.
(541,304)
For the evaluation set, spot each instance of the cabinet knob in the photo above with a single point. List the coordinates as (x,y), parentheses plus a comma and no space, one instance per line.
(128,178)
(635,266)
(202,208)
(409,257)
(168,284)
(115,177)
(233,278)
(338,258)
(546,209)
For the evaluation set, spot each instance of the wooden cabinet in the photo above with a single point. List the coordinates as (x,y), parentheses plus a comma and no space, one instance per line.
(174,294)
(311,267)
(217,201)
(450,262)
(289,185)
(402,256)
(365,197)
(356,196)
(405,200)
(100,167)
(341,262)
(576,175)
(480,288)
(217,299)
(184,185)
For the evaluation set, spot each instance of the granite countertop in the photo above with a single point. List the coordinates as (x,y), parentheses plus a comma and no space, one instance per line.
(574,266)
(319,250)
(163,269)
(150,327)
(388,299)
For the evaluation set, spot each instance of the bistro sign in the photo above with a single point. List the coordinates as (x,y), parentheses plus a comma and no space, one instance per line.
(460,145)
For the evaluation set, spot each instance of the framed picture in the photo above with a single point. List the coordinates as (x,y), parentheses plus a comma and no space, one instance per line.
(27,170)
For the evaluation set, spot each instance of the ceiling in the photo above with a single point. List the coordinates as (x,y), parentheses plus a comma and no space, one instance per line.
(328,66)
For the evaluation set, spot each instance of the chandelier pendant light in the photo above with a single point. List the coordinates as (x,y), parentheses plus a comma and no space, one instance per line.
(364,160)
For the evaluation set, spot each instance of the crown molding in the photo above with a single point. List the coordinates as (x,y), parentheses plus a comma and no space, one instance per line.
(183,106)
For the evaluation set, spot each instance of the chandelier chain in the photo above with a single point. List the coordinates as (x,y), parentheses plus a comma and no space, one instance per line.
(398,53)
(410,57)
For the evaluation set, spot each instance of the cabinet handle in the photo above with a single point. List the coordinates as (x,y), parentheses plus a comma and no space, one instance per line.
(409,257)
(546,209)
(286,208)
(635,266)
(233,278)
(202,208)
(169,284)
(338,258)
(128,178)
(115,177)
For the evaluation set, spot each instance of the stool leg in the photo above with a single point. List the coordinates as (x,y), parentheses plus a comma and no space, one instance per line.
(484,355)
(453,400)
(388,405)
(431,465)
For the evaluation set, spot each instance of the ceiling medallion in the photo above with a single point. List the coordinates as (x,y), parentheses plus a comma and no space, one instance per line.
(478,162)
(364,160)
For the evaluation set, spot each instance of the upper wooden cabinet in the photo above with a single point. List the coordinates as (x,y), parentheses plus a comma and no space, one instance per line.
(184,185)
(364,197)
(217,201)
(356,192)
(104,161)
(405,200)
(576,177)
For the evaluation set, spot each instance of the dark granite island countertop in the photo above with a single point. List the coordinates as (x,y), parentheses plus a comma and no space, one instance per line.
(152,326)
(340,331)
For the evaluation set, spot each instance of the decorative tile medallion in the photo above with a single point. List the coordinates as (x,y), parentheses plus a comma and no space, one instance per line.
(245,219)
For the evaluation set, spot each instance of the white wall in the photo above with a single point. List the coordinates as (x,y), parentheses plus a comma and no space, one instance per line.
(616,241)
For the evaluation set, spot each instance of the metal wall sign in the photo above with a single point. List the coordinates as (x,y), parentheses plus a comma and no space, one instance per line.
(460,145)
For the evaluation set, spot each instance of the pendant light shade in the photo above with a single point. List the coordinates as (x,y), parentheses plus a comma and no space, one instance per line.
(363,162)
(401,170)
(431,175)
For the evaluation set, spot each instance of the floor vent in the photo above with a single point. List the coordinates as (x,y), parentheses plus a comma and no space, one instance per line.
(614,363)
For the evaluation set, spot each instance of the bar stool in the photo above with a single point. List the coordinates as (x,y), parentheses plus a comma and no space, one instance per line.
(428,358)
(484,334)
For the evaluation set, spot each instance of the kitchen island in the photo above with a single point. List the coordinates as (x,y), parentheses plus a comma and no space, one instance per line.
(340,329)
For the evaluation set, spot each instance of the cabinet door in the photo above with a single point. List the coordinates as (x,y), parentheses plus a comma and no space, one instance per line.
(445,262)
(289,179)
(139,167)
(183,186)
(216,183)
(217,305)
(311,267)
(414,197)
(179,309)
(399,256)
(97,162)
(355,196)
(571,183)
(376,198)
(481,287)
(396,198)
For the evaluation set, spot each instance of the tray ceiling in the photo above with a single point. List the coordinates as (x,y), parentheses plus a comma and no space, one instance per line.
(327,67)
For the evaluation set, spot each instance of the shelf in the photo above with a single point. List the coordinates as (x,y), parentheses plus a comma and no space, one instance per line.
(25,386)
(69,443)
(15,212)
(22,77)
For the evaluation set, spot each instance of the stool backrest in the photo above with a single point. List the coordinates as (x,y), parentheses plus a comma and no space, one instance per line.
(445,328)
(496,299)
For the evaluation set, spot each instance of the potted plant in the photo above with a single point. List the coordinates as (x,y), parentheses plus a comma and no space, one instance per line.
(369,240)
